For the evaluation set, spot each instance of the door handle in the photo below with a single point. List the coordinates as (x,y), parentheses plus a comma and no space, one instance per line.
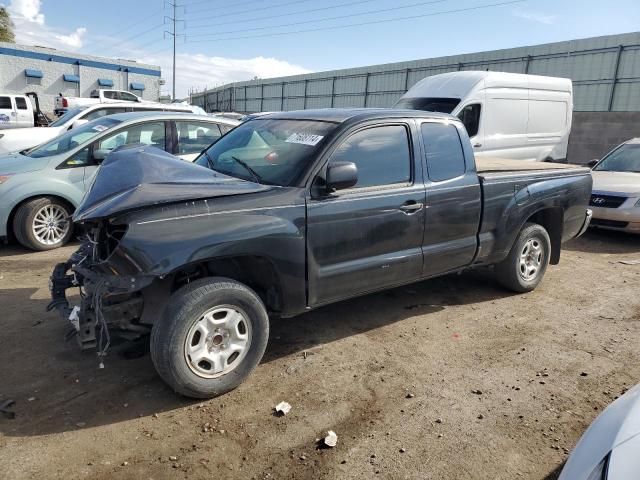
(411,207)
(477,145)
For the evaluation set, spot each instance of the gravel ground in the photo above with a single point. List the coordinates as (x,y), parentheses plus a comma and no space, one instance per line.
(448,378)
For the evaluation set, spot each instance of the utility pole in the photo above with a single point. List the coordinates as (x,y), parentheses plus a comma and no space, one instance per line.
(174,34)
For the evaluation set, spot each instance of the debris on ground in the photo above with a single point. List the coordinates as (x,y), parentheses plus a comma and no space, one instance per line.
(409,395)
(630,262)
(4,409)
(476,392)
(283,408)
(331,440)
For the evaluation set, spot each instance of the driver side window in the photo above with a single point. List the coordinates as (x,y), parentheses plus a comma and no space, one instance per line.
(78,159)
(151,133)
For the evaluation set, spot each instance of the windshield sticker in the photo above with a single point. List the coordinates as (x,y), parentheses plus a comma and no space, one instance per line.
(304,139)
(100,128)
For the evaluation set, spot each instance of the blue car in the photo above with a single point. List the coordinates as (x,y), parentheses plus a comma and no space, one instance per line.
(40,188)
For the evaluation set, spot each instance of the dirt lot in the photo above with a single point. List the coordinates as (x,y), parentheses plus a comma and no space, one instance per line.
(391,373)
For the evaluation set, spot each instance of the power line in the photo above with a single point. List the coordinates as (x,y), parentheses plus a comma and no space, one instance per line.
(282,14)
(373,22)
(128,27)
(339,17)
(121,42)
(270,7)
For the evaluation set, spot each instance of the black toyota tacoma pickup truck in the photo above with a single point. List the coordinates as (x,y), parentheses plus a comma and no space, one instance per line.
(292,211)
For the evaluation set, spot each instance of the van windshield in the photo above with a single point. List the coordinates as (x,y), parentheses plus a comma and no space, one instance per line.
(69,114)
(442,105)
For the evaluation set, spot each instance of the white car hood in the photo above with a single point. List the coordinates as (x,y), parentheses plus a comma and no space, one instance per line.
(617,424)
(18,139)
(627,183)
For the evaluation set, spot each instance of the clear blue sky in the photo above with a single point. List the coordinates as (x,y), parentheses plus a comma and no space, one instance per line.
(524,23)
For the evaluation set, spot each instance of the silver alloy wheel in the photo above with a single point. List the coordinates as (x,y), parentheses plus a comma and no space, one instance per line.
(531,258)
(218,341)
(50,224)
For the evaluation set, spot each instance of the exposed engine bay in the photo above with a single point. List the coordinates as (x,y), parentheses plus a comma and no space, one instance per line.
(109,302)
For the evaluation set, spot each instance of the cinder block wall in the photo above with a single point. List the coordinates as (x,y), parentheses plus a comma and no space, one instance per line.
(13,80)
(593,134)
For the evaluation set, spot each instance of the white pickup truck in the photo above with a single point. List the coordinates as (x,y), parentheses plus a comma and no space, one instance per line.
(20,111)
(62,104)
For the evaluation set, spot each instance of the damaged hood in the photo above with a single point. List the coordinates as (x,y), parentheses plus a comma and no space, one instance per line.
(140,176)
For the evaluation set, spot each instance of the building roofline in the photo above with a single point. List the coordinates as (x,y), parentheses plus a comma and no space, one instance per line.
(53,55)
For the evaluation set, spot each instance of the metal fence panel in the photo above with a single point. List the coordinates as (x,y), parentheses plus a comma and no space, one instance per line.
(320,87)
(319,102)
(605,71)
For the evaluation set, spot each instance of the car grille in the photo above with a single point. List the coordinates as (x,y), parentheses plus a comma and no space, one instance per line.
(599,222)
(606,201)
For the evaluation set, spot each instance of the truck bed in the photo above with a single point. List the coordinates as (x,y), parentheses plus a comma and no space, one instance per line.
(489,165)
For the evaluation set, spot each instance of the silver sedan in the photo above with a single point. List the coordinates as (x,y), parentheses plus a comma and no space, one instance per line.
(615,198)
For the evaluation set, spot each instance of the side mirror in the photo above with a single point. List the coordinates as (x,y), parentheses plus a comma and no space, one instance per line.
(341,175)
(79,123)
(592,163)
(100,154)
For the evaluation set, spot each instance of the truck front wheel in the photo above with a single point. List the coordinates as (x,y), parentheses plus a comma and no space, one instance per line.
(527,261)
(212,335)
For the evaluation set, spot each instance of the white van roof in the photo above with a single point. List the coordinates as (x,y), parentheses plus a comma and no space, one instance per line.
(459,84)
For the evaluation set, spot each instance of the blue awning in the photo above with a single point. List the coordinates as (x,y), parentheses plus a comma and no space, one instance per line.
(29,72)
(105,82)
(71,78)
(137,86)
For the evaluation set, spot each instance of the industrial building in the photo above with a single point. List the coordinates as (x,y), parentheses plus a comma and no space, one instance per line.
(49,72)
(605,72)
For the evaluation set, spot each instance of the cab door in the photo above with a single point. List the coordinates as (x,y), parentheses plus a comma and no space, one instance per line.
(369,236)
(24,112)
(453,198)
(7,112)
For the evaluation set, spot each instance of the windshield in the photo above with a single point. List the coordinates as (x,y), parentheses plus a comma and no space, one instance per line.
(69,114)
(267,151)
(442,105)
(72,139)
(624,159)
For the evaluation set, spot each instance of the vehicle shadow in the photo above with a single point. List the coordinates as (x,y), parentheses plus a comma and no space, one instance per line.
(58,388)
(604,241)
(553,475)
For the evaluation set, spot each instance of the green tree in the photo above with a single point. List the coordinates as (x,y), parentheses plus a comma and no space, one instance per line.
(6,27)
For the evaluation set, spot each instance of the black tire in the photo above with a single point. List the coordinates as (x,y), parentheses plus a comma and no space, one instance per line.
(186,307)
(24,218)
(509,272)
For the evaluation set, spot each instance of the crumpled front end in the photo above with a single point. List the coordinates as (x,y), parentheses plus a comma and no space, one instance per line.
(110,297)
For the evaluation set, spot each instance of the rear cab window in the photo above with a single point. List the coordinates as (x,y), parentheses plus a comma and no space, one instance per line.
(445,157)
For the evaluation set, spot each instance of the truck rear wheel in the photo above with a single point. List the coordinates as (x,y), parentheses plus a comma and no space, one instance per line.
(212,335)
(43,223)
(527,261)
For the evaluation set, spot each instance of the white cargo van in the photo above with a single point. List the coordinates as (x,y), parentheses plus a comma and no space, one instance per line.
(507,115)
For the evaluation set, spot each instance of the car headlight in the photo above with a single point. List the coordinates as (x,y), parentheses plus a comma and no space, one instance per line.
(600,472)
(4,178)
